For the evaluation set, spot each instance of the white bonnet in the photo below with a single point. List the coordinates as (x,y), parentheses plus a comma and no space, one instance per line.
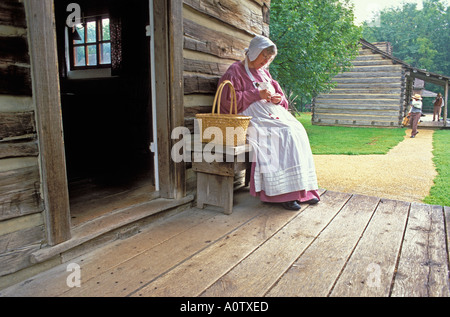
(257,45)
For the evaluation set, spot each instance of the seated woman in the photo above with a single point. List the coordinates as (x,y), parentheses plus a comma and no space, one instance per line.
(283,169)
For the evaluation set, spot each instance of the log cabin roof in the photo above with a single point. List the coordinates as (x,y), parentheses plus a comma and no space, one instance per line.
(415,72)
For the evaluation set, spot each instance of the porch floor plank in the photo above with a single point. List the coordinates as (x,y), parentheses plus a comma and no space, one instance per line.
(423,266)
(254,276)
(192,277)
(347,245)
(160,258)
(316,271)
(371,268)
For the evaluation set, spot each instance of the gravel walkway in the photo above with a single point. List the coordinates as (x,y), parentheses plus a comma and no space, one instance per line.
(406,173)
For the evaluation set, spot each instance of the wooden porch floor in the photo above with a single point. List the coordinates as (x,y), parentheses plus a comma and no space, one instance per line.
(347,245)
(428,123)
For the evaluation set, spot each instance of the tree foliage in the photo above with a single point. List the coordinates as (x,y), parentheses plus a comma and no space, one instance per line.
(419,37)
(316,40)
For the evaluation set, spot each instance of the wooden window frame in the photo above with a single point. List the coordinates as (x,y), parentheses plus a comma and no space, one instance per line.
(98,44)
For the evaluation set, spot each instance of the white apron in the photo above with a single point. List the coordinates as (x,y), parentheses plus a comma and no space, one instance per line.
(283,159)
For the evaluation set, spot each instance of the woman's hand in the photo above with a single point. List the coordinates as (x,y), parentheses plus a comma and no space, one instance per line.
(276,99)
(265,95)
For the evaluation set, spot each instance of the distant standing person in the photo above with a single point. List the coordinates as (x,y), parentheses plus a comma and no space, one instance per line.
(415,112)
(438,103)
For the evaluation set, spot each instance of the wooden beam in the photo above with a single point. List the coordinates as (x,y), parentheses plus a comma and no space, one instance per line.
(19,148)
(12,13)
(15,80)
(20,193)
(199,38)
(16,124)
(446,103)
(176,45)
(236,14)
(170,92)
(44,65)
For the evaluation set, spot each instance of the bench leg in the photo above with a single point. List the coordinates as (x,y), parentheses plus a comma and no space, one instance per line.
(215,190)
(228,195)
(202,180)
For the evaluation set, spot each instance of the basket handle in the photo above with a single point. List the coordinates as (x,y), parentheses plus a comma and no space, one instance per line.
(218,97)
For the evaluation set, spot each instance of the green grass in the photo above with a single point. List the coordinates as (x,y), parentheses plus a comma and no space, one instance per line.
(440,192)
(349,140)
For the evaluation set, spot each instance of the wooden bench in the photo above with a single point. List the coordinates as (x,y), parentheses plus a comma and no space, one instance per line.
(215,180)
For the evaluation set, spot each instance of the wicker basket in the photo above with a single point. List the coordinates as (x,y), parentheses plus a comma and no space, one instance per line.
(238,123)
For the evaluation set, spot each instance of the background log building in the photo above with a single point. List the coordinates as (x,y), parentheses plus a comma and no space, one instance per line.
(75,164)
(375,92)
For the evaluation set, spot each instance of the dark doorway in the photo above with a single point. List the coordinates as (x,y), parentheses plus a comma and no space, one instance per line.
(106,105)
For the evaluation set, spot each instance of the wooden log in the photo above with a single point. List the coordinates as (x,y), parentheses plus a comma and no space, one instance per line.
(353,117)
(374,80)
(357,107)
(14,49)
(200,84)
(204,67)
(15,80)
(236,13)
(43,54)
(379,91)
(18,148)
(373,57)
(336,95)
(362,102)
(201,39)
(17,259)
(20,192)
(376,68)
(352,112)
(369,85)
(446,102)
(447,222)
(18,239)
(12,13)
(366,51)
(16,124)
(396,74)
(190,112)
(371,62)
(356,123)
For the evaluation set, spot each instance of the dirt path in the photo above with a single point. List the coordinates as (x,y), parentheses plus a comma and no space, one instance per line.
(406,173)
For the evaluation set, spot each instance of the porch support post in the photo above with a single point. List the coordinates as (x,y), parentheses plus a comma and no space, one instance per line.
(170,93)
(46,96)
(446,103)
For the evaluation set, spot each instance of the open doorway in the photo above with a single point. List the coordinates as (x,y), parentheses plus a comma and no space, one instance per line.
(106,106)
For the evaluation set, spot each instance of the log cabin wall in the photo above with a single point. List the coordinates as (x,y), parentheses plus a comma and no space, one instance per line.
(216,34)
(22,228)
(372,93)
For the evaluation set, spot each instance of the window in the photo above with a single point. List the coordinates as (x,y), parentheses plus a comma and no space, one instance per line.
(90,44)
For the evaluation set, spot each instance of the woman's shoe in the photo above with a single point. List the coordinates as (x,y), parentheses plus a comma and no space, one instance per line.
(312,201)
(291,205)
